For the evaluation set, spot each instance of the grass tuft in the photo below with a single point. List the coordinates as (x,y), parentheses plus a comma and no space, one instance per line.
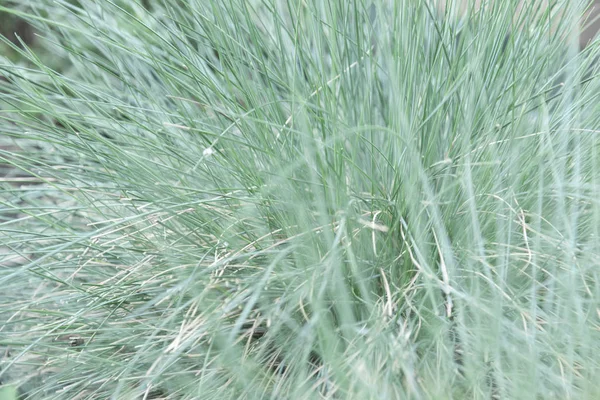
(268,199)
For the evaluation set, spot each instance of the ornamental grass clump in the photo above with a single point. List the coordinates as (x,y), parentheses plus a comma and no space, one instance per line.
(265,199)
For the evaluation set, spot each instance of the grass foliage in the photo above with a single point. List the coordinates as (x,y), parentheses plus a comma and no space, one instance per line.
(271,199)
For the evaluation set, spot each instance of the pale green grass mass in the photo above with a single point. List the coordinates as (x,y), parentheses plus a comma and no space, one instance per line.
(318,199)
